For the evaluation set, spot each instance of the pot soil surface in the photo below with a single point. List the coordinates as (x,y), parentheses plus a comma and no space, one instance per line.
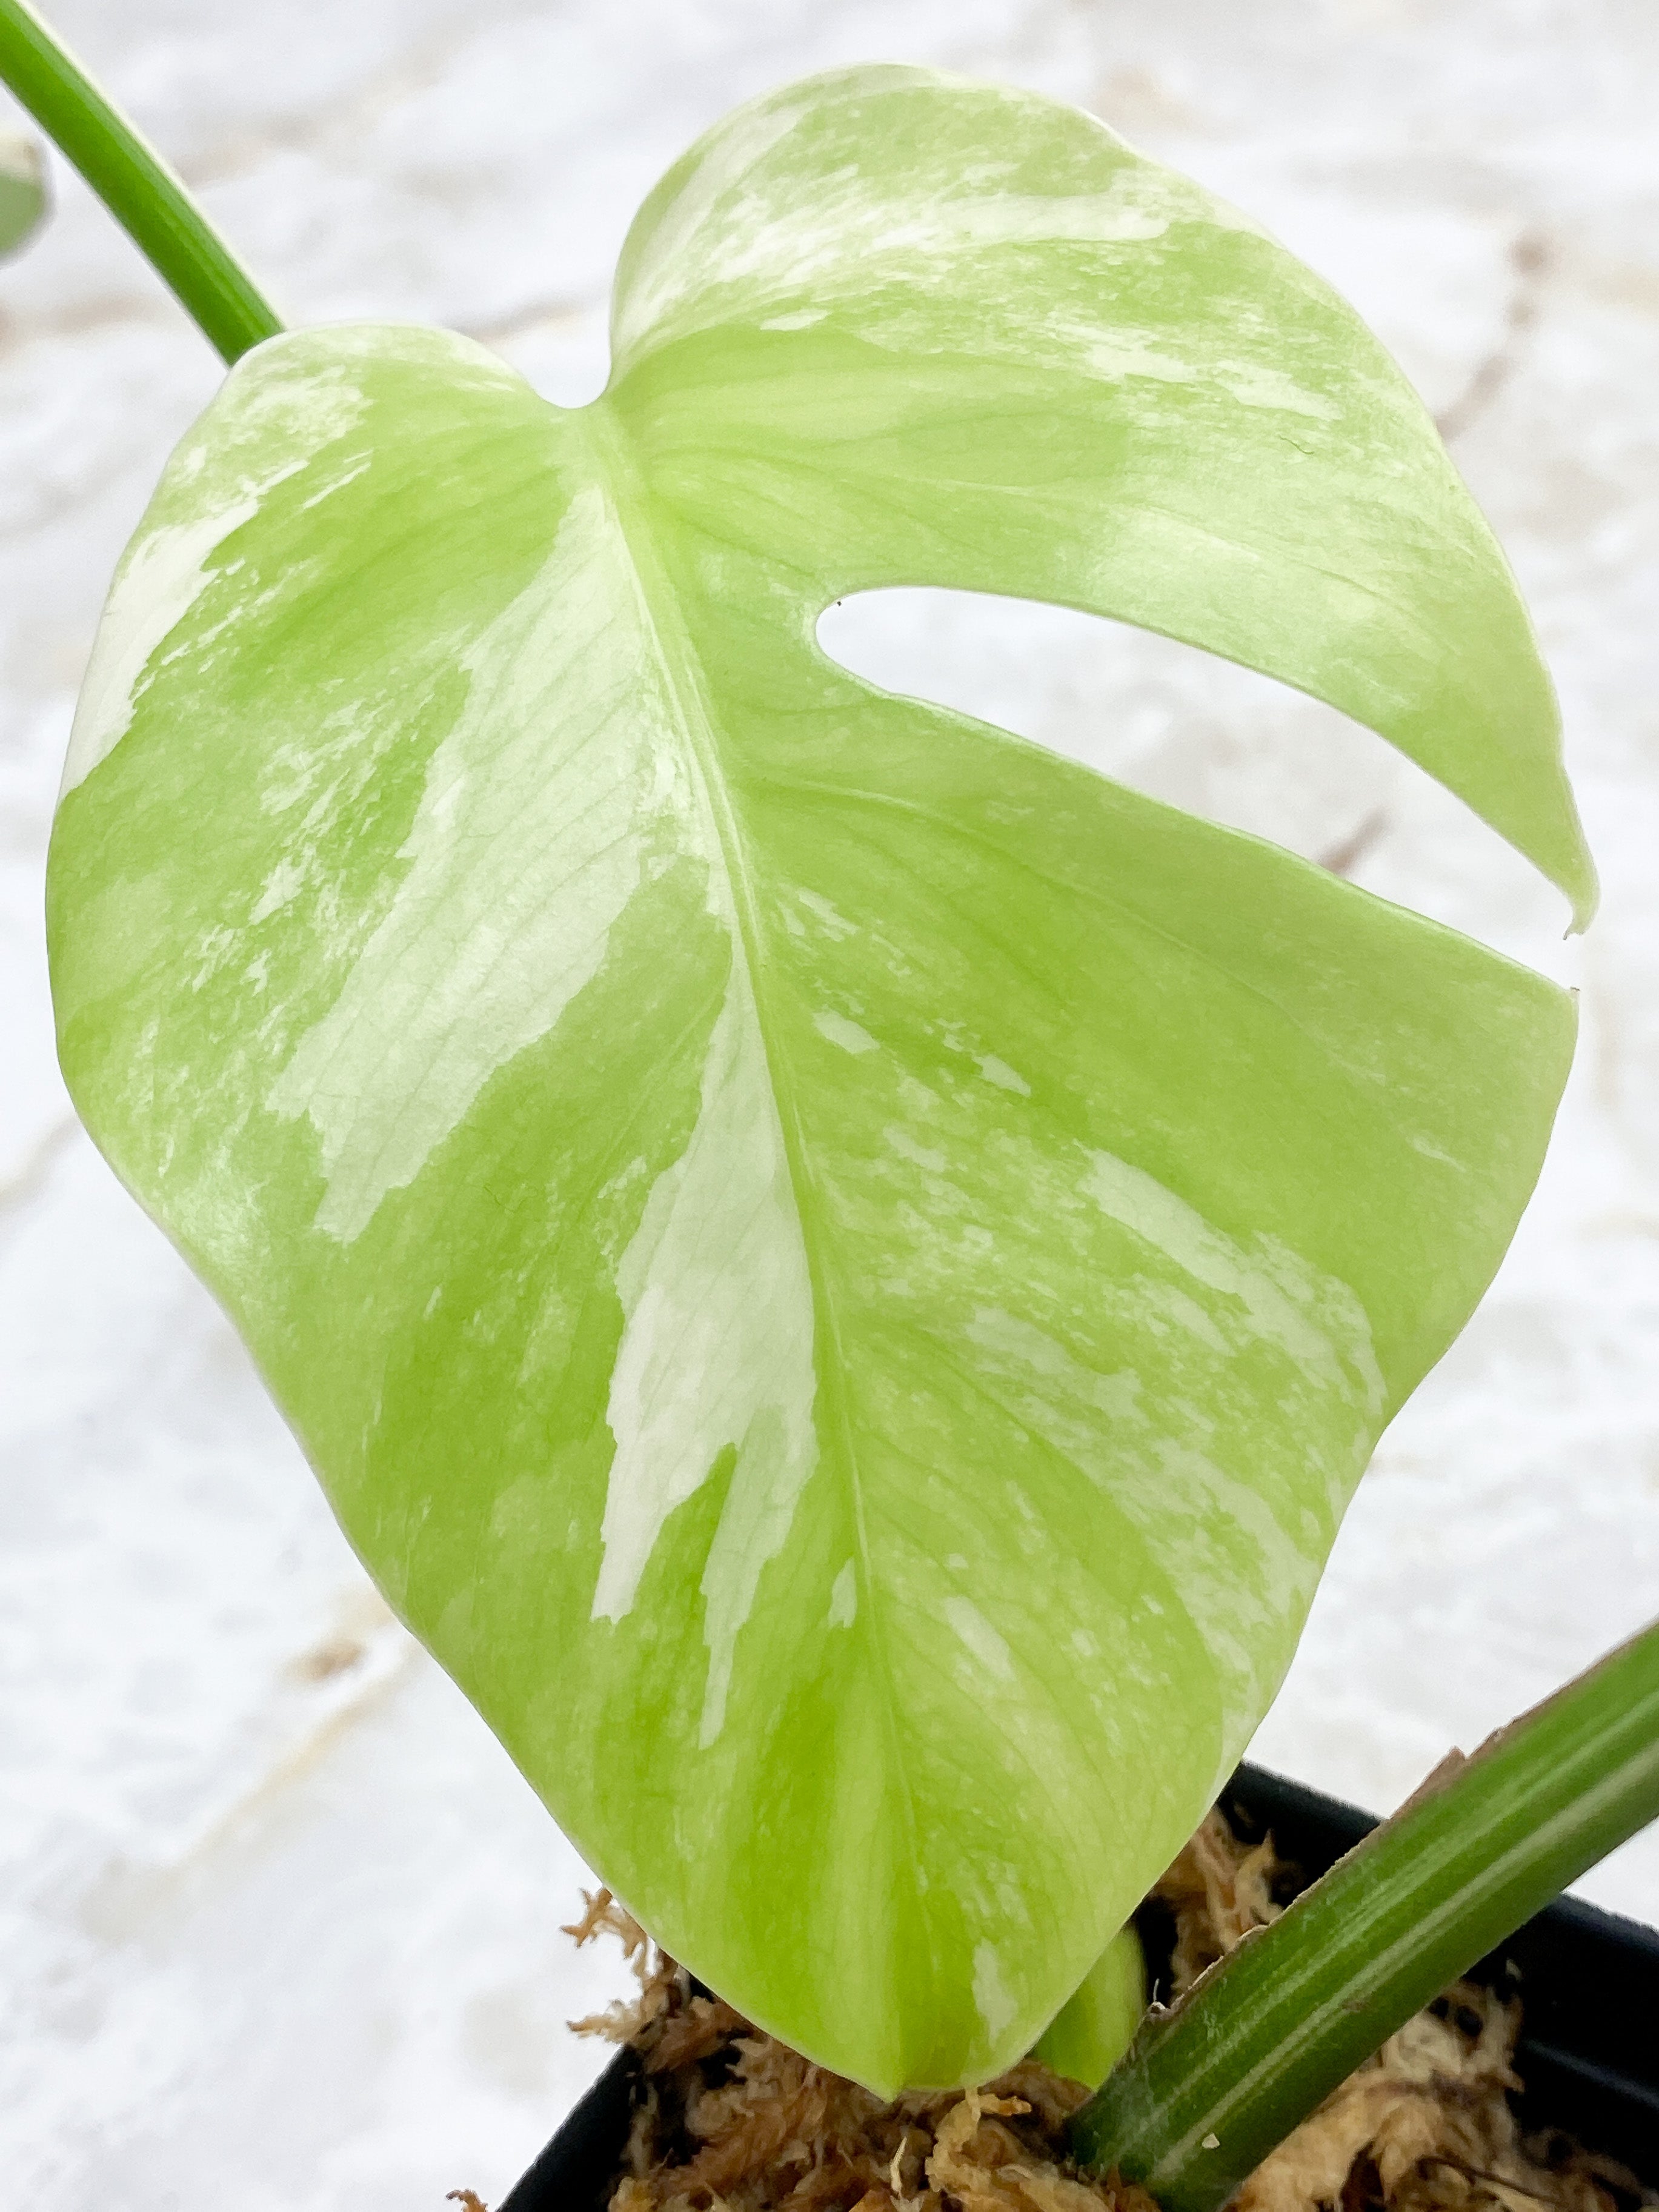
(730,2120)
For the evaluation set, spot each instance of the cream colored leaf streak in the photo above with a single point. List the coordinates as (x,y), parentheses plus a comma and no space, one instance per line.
(1314,1319)
(716,1351)
(741,235)
(716,1356)
(497,925)
(275,422)
(163,575)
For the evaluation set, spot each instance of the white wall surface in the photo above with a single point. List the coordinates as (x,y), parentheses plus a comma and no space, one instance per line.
(278,1923)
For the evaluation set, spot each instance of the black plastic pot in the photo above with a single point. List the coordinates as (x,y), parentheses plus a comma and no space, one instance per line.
(1588,2053)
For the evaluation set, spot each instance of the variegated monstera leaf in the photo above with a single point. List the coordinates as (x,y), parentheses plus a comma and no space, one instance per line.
(839,1270)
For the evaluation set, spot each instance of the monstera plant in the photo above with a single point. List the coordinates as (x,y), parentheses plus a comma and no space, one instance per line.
(838,1269)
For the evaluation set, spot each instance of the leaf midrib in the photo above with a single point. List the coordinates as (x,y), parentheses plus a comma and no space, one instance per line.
(693,714)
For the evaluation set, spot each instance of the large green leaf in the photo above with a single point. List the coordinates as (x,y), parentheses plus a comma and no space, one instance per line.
(839,1270)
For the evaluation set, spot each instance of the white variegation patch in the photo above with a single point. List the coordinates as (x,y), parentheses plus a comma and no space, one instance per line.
(988,1650)
(220,483)
(998,1072)
(716,1353)
(1100,348)
(852,1037)
(1316,1321)
(844,1597)
(711,183)
(1244,1571)
(162,576)
(755,226)
(1197,1518)
(487,940)
(992,1999)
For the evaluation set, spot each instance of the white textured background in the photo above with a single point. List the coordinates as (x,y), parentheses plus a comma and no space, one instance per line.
(278,1926)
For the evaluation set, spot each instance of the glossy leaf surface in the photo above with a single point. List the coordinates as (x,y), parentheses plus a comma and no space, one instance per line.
(839,1269)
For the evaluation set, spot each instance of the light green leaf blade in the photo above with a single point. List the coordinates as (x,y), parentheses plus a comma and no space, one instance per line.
(1096,2024)
(839,1270)
(23,190)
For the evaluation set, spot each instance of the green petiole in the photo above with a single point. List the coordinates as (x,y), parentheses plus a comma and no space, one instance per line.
(134,183)
(1207,2090)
